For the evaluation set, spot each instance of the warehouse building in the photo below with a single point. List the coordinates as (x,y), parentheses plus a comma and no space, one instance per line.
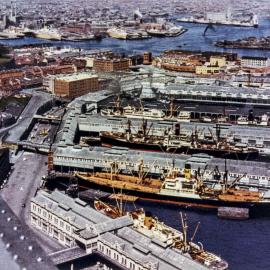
(73,222)
(75,85)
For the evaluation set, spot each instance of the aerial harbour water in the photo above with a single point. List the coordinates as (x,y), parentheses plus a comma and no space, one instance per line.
(245,244)
(114,139)
(192,40)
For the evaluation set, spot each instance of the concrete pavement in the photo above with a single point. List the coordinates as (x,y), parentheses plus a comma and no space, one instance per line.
(22,186)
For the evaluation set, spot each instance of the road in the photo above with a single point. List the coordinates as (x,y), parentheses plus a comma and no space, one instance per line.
(38,98)
(22,186)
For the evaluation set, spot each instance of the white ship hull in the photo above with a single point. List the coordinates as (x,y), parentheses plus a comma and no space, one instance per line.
(48,35)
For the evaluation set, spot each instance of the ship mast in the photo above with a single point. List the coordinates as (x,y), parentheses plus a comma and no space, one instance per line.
(225,178)
(195,232)
(118,104)
(184,230)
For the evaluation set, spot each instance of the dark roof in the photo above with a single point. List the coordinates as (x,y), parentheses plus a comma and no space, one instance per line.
(254,57)
(18,247)
(3,151)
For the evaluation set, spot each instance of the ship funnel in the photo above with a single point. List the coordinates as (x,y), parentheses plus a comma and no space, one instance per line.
(251,117)
(187,171)
(177,129)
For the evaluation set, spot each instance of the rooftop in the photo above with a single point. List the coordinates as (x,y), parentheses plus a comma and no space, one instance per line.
(76,77)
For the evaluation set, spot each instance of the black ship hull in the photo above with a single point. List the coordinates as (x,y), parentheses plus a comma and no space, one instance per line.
(243,155)
(193,203)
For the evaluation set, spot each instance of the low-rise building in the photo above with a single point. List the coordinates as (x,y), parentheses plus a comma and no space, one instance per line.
(219,61)
(255,62)
(111,64)
(74,85)
(207,69)
(147,58)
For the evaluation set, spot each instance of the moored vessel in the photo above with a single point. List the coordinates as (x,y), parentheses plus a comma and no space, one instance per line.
(175,141)
(150,226)
(174,188)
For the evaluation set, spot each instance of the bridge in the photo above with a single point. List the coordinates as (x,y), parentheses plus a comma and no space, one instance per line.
(48,117)
(67,255)
(38,147)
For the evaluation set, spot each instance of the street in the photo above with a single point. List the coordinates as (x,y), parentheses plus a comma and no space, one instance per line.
(22,186)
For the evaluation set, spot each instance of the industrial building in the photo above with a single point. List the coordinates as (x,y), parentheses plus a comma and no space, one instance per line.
(82,117)
(73,222)
(255,62)
(75,85)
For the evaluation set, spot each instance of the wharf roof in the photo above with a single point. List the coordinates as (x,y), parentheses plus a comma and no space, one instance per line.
(81,157)
(208,90)
(167,257)
(65,207)
(75,77)
(93,122)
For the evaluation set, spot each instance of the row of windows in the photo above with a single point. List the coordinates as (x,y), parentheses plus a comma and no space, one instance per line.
(155,167)
(118,257)
(50,217)
(52,231)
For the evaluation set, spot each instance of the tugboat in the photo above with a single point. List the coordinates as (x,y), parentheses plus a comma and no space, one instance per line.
(176,142)
(151,227)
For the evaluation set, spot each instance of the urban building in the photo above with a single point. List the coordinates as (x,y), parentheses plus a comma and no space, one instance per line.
(69,156)
(255,62)
(111,64)
(4,163)
(48,83)
(179,61)
(74,85)
(147,58)
(207,69)
(219,61)
(72,222)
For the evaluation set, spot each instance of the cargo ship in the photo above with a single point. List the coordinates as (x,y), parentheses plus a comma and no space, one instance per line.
(221,18)
(146,224)
(174,141)
(174,114)
(128,34)
(180,189)
(167,30)
(46,33)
